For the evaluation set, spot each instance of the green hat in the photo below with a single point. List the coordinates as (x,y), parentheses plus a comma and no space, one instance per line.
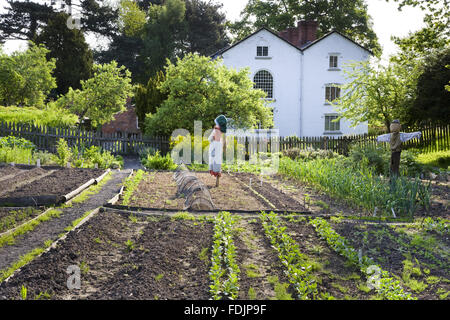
(221,121)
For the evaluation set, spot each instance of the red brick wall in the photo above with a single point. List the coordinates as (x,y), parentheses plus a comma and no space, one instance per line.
(306,31)
(124,122)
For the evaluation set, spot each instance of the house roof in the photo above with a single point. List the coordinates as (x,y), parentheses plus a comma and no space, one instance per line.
(303,48)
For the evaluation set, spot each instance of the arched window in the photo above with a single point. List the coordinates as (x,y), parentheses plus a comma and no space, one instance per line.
(263,80)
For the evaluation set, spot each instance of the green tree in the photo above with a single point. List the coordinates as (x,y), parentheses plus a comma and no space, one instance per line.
(26,77)
(165,26)
(102,96)
(149,98)
(71,52)
(24,20)
(349,17)
(131,18)
(376,93)
(199,88)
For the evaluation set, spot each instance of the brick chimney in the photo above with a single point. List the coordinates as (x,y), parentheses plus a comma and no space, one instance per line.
(305,32)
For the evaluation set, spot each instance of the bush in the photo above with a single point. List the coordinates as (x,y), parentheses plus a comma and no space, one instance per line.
(12,142)
(94,155)
(158,162)
(64,153)
(309,154)
(15,154)
(378,157)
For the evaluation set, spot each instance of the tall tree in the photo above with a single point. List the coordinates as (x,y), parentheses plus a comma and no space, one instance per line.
(72,54)
(349,17)
(376,93)
(24,19)
(26,77)
(102,96)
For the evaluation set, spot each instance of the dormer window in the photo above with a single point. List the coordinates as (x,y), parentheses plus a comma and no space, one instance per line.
(262,51)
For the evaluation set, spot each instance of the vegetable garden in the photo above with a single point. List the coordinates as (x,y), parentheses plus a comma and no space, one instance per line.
(270,237)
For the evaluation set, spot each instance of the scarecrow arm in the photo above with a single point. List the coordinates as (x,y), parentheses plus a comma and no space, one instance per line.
(408,136)
(384,138)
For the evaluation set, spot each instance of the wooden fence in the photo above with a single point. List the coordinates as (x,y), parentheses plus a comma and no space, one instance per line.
(46,138)
(434,138)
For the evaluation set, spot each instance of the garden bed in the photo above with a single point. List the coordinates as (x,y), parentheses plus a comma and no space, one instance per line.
(420,259)
(13,217)
(39,186)
(158,190)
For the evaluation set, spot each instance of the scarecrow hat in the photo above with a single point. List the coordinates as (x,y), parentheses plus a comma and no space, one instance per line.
(221,121)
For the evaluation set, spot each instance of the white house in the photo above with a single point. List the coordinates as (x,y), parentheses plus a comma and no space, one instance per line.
(299,73)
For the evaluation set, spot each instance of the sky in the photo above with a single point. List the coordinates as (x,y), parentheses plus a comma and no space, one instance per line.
(387,21)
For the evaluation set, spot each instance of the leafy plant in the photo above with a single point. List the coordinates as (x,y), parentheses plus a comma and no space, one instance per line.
(298,267)
(387,288)
(64,152)
(23,293)
(158,162)
(131,184)
(224,271)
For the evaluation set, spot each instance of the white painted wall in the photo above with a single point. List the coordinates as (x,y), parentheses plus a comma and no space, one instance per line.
(295,72)
(284,66)
(316,75)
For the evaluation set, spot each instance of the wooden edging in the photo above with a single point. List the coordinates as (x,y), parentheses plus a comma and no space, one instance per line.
(63,237)
(81,188)
(116,198)
(25,223)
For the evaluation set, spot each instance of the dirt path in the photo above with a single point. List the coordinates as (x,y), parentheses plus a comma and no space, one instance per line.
(49,230)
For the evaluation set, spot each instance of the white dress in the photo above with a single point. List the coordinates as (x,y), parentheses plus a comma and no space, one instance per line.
(215,153)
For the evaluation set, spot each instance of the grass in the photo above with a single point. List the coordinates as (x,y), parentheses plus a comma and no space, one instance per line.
(23,260)
(436,159)
(279,288)
(94,189)
(28,226)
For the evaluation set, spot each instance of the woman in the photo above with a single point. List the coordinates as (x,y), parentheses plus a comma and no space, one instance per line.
(216,145)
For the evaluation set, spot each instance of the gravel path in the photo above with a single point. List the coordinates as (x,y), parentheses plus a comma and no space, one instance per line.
(49,230)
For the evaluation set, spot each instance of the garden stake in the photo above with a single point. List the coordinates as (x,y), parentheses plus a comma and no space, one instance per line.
(217,181)
(38,163)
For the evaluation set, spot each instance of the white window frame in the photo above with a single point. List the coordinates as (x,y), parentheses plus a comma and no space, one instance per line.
(337,92)
(273,84)
(338,57)
(333,127)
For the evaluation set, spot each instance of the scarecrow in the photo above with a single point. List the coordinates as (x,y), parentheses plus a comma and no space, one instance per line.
(396,138)
(217,143)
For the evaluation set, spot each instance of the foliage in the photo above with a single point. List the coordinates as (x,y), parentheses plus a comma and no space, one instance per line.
(297,265)
(12,141)
(348,17)
(131,18)
(26,77)
(64,152)
(131,184)
(149,98)
(224,271)
(438,225)
(101,96)
(308,154)
(164,27)
(89,157)
(24,20)
(430,101)
(200,89)
(359,185)
(158,162)
(70,50)
(387,288)
(377,94)
(15,154)
(50,116)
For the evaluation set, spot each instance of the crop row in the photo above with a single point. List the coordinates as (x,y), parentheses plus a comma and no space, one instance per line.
(224,272)
(360,185)
(298,269)
(386,287)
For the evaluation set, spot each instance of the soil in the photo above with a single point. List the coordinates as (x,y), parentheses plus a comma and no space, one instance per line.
(333,274)
(164,262)
(390,248)
(51,229)
(159,190)
(7,172)
(440,200)
(60,182)
(257,261)
(280,199)
(22,178)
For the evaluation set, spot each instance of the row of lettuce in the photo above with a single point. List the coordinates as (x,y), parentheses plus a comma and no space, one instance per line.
(225,273)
